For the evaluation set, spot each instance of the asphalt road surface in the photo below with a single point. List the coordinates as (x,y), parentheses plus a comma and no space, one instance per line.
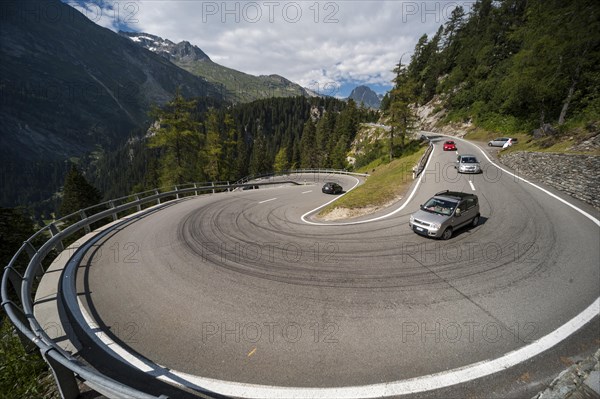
(238,287)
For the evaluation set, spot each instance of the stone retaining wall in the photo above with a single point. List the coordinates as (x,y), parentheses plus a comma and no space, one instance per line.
(577,175)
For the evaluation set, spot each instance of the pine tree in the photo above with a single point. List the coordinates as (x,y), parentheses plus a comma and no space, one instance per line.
(178,135)
(213,148)
(308,147)
(242,164)
(259,161)
(339,153)
(400,112)
(229,147)
(281,160)
(77,193)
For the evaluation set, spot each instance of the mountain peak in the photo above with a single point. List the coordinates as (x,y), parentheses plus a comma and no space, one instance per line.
(235,85)
(363,94)
(183,51)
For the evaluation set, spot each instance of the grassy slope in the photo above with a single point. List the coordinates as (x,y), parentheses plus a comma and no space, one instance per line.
(22,375)
(527,143)
(383,186)
(241,86)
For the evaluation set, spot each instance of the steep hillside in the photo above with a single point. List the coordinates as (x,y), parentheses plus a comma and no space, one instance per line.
(68,86)
(235,85)
(510,66)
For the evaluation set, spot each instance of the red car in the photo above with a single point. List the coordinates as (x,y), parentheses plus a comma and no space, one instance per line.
(449,146)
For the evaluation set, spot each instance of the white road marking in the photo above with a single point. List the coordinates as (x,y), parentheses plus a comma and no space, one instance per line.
(411,385)
(472,186)
(306,192)
(272,199)
(394,388)
(412,193)
(584,213)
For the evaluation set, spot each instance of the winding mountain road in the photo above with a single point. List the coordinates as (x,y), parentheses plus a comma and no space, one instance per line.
(238,287)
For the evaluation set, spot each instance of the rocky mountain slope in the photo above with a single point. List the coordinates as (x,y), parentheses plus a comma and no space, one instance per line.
(69,85)
(364,95)
(235,85)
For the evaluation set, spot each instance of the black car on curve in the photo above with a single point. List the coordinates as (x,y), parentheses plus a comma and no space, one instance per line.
(332,188)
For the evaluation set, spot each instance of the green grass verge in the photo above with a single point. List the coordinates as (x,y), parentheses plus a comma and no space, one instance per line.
(22,375)
(528,143)
(384,185)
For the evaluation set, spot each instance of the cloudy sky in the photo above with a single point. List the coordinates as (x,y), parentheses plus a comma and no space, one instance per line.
(328,46)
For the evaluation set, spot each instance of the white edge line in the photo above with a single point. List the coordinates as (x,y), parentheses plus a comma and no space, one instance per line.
(119,351)
(584,213)
(411,195)
(413,385)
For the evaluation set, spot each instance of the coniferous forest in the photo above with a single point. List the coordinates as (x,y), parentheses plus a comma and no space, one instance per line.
(511,66)
(197,142)
(505,66)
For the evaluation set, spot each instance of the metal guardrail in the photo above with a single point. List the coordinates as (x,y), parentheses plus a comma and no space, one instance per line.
(16,288)
(423,161)
(301,171)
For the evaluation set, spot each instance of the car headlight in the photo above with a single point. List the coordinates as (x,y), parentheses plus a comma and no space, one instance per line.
(435,226)
(411,220)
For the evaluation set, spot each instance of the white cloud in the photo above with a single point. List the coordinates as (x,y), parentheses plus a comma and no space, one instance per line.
(309,42)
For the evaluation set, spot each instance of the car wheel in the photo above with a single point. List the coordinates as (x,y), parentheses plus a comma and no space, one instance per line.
(447,234)
(489,144)
(475,221)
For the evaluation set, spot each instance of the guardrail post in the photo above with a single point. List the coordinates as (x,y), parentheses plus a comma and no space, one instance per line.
(213,184)
(114,215)
(54,231)
(31,251)
(157,199)
(228,189)
(65,378)
(139,206)
(196,191)
(15,279)
(83,216)
(176,195)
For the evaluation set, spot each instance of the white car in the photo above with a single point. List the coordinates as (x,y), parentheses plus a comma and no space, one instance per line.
(502,142)
(467,164)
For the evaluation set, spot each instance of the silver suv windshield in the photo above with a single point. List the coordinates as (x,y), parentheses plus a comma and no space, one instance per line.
(468,160)
(440,206)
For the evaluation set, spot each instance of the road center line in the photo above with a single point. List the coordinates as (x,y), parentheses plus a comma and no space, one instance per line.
(394,388)
(581,211)
(272,199)
(472,186)
(406,202)
(306,192)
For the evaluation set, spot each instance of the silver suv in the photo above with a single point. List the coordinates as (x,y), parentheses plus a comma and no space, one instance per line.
(444,213)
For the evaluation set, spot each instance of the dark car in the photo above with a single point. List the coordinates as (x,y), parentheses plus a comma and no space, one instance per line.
(449,146)
(444,213)
(332,188)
